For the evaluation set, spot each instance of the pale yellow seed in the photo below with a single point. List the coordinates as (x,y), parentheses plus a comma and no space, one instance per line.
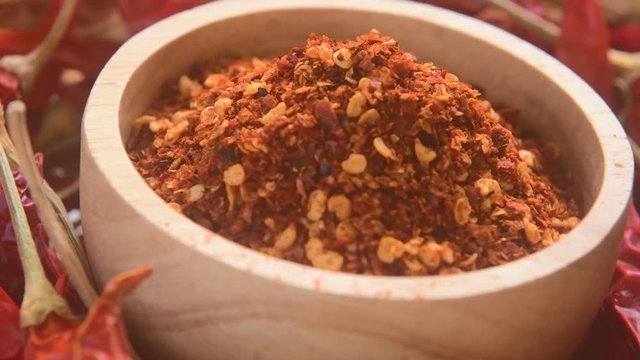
(270,186)
(446,253)
(270,223)
(572,221)
(313,248)
(429,254)
(348,76)
(312,52)
(186,85)
(330,260)
(390,249)
(364,83)
(488,187)
(316,205)
(160,124)
(355,164)
(424,154)
(180,116)
(369,118)
(325,53)
(221,105)
(143,120)
(196,192)
(174,132)
(234,175)
(383,149)
(342,58)
(528,157)
(413,264)
(462,210)
(340,205)
(469,261)
(275,113)
(413,246)
(356,105)
(531,231)
(493,116)
(451,77)
(208,114)
(485,144)
(253,88)
(286,238)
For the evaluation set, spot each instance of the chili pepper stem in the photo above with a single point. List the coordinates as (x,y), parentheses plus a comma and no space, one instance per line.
(19,134)
(51,195)
(28,66)
(546,30)
(40,298)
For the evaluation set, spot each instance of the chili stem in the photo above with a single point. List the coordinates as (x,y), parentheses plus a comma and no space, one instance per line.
(57,235)
(53,197)
(28,66)
(546,30)
(40,298)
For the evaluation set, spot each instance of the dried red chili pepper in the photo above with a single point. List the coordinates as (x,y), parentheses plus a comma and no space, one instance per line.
(625,37)
(583,45)
(615,333)
(101,335)
(11,339)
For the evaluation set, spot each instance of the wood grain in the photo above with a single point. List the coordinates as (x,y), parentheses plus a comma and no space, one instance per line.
(212,298)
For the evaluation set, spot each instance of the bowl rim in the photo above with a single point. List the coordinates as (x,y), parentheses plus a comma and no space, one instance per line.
(607,210)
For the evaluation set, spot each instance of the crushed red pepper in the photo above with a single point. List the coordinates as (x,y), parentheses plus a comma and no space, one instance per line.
(353,156)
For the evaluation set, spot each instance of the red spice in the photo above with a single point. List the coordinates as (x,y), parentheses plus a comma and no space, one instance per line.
(352,156)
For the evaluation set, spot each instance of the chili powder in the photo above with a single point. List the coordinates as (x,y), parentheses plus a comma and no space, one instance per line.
(353,156)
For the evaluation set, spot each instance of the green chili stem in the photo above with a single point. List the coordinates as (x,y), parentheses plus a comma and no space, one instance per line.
(40,298)
(57,235)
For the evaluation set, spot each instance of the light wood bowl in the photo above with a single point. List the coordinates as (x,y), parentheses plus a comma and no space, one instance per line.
(212,298)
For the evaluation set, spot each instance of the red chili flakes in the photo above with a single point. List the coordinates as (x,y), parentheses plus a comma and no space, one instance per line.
(353,156)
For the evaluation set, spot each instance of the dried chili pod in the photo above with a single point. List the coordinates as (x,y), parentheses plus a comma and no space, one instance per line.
(102,334)
(583,45)
(11,341)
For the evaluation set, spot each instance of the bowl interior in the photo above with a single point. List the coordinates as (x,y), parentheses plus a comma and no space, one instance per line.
(553,101)
(504,78)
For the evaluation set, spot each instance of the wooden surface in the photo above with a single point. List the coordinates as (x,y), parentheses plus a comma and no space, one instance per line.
(211,298)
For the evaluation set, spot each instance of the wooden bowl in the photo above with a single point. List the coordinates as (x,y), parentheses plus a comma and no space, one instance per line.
(212,298)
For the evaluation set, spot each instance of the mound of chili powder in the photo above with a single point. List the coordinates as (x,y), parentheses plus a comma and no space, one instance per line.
(352,156)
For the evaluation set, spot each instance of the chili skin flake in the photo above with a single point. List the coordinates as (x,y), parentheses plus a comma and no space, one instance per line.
(353,156)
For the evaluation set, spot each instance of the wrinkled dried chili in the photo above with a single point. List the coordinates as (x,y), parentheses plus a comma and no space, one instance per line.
(352,156)
(583,44)
(11,341)
(101,335)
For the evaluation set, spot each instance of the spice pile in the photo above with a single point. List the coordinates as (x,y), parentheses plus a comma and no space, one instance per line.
(352,156)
